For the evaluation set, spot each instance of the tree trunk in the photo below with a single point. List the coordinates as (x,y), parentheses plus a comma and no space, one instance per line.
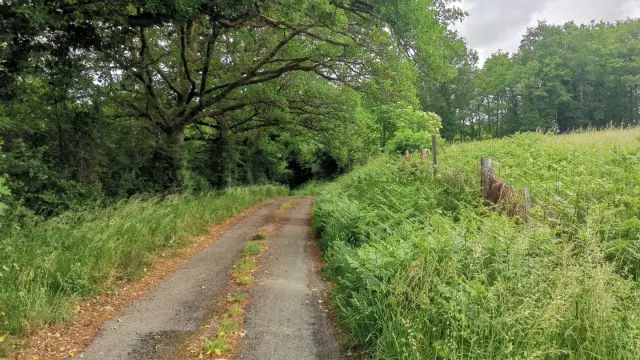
(223,155)
(166,165)
(497,116)
(383,135)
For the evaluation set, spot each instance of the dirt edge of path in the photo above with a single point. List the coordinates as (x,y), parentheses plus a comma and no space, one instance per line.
(64,341)
(317,265)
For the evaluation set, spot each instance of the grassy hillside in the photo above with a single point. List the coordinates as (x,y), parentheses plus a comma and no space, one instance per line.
(424,270)
(45,268)
(584,185)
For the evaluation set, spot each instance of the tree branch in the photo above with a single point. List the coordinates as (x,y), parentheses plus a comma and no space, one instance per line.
(245,120)
(146,78)
(185,63)
(224,110)
(238,21)
(257,126)
(171,85)
(207,60)
(246,79)
(273,52)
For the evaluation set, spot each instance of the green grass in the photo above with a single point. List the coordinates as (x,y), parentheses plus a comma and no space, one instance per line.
(286,206)
(231,321)
(46,268)
(243,271)
(311,188)
(584,185)
(254,248)
(235,309)
(424,270)
(228,328)
(238,297)
(244,268)
(218,345)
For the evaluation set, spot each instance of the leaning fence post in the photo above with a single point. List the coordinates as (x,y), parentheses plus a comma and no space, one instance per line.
(486,174)
(434,150)
(527,202)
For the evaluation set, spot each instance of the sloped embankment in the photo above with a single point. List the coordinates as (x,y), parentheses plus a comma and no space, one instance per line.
(424,270)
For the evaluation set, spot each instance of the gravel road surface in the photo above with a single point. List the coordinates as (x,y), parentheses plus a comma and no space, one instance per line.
(152,327)
(287,316)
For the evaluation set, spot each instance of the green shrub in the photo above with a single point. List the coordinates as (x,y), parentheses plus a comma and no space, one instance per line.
(410,141)
(4,191)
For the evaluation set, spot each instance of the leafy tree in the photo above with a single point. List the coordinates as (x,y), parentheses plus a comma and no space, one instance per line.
(563,77)
(203,63)
(113,99)
(450,98)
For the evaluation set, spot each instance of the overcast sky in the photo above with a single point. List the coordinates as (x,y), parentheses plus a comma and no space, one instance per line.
(495,25)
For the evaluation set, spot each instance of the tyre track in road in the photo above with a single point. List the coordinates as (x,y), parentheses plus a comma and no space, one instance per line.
(152,327)
(287,317)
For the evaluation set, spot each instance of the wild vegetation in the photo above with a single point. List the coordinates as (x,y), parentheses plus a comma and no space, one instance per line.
(425,270)
(109,100)
(127,125)
(563,78)
(229,326)
(100,102)
(118,119)
(48,266)
(244,268)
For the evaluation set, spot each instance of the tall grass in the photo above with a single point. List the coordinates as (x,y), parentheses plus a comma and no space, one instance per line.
(46,268)
(424,270)
(581,182)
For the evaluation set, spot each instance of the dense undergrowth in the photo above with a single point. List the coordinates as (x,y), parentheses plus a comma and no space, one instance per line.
(44,269)
(424,270)
(584,185)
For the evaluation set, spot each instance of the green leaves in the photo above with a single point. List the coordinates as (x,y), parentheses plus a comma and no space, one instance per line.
(563,77)
(118,88)
(4,192)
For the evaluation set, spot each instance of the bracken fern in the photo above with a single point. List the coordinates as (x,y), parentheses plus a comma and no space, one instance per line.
(424,270)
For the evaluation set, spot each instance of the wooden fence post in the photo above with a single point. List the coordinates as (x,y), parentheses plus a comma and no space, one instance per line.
(486,176)
(434,150)
(423,154)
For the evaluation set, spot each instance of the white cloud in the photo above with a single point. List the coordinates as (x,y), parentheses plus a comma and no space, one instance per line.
(500,24)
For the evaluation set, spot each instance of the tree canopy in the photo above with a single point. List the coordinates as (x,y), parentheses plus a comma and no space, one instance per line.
(563,77)
(103,100)
(123,97)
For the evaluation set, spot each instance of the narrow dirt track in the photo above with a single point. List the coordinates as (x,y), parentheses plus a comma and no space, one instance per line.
(154,326)
(287,317)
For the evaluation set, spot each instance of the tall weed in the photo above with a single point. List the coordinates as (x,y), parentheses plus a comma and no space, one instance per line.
(45,268)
